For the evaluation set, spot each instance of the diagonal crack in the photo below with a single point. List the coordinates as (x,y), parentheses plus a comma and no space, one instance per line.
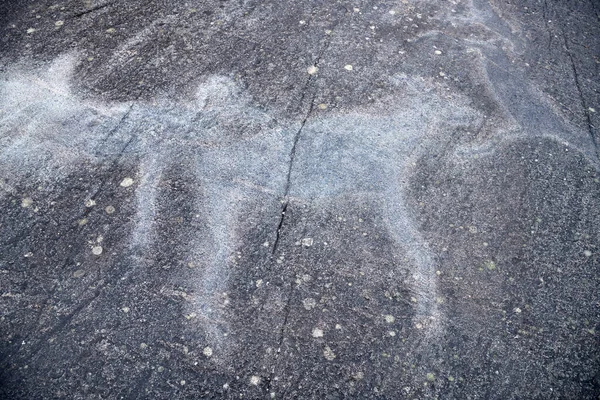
(286,200)
(584,105)
(91,10)
(116,127)
(292,157)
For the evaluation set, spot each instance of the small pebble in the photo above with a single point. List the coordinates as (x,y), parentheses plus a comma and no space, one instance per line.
(59,23)
(109,209)
(90,203)
(438,52)
(587,253)
(317,333)
(348,67)
(30,30)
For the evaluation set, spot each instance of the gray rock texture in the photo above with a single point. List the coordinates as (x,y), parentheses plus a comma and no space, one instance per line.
(230,199)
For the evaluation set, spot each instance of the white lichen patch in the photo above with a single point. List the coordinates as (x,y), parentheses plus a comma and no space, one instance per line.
(97,250)
(328,353)
(79,273)
(309,303)
(207,351)
(313,69)
(317,333)
(190,316)
(307,242)
(126,182)
(26,202)
(255,380)
(389,319)
(109,209)
(90,203)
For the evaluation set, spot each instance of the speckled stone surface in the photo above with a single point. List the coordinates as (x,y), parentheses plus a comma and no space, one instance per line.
(299,200)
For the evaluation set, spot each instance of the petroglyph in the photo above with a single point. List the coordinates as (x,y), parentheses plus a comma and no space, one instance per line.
(239,154)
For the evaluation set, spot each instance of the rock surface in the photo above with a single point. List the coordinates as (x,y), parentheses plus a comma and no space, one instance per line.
(276,199)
